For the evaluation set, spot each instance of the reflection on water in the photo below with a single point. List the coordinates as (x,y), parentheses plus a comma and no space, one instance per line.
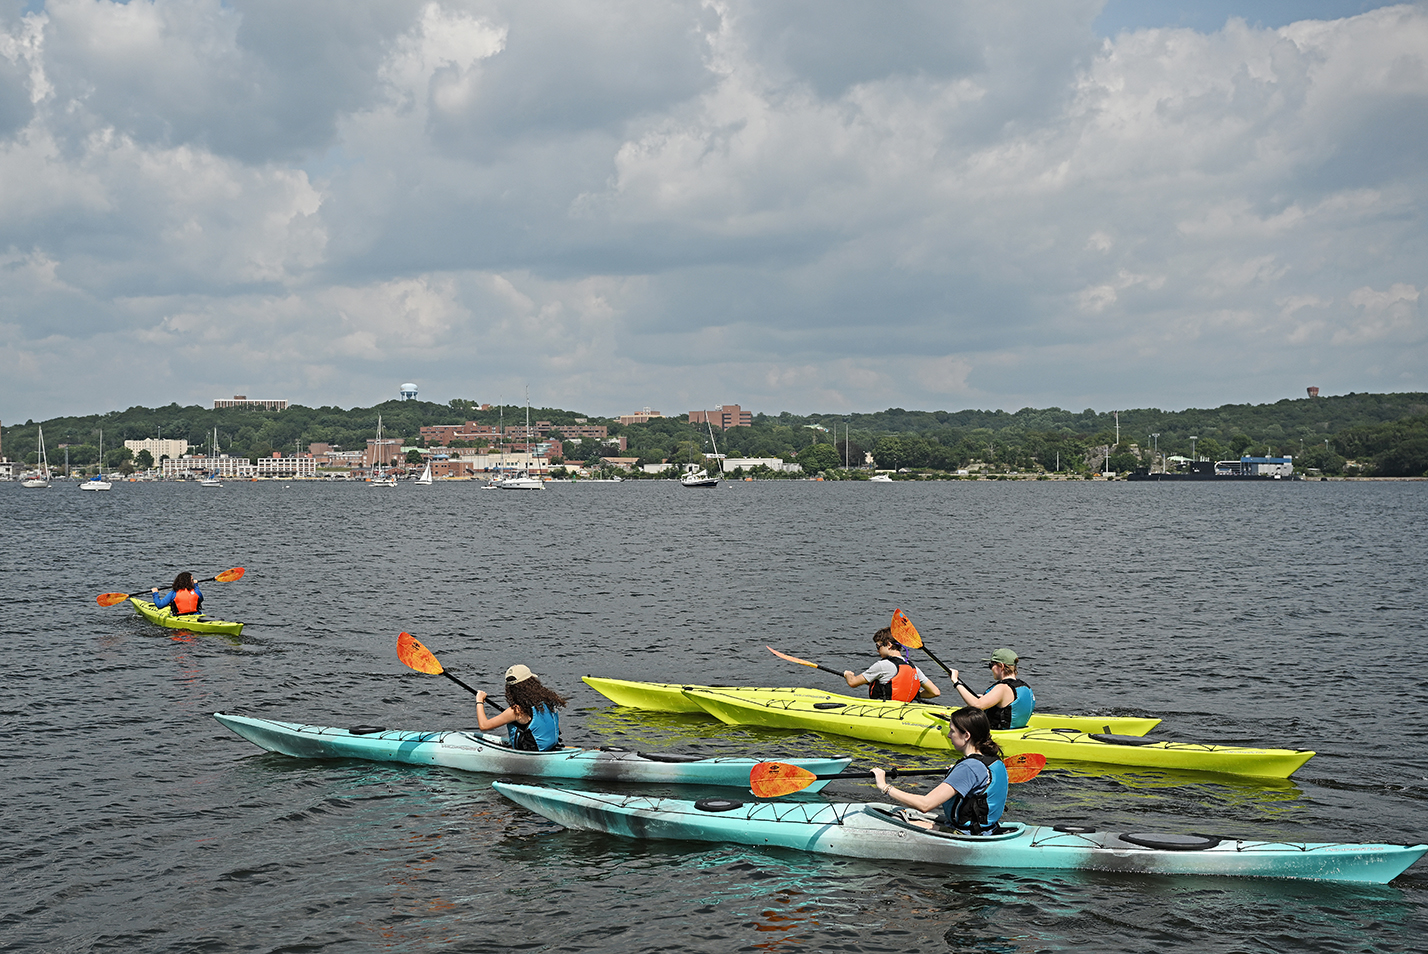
(135,822)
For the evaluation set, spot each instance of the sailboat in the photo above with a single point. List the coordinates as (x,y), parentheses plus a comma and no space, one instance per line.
(704,478)
(381,479)
(42,475)
(524,481)
(212,480)
(97,482)
(425,477)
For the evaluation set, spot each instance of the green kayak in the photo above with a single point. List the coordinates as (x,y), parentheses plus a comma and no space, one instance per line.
(670,697)
(192,622)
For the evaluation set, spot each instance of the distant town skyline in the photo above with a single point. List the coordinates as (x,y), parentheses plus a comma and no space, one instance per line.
(813,207)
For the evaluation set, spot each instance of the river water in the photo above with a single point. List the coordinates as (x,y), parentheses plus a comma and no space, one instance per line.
(1288,615)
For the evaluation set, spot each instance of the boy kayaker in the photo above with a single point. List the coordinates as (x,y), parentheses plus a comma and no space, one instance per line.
(974,793)
(533,724)
(1008,702)
(185,597)
(892,676)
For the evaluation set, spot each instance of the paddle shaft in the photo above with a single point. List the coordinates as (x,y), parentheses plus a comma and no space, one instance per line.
(469,689)
(889,773)
(207,579)
(934,658)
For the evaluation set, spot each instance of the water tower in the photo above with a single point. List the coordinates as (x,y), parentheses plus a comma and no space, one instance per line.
(409,391)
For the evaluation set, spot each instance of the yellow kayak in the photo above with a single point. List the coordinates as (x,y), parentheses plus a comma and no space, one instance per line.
(670,697)
(914,725)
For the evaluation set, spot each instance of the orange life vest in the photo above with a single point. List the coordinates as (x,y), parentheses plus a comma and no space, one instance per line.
(904,686)
(185,602)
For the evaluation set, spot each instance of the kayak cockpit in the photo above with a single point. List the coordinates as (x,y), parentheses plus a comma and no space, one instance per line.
(908,818)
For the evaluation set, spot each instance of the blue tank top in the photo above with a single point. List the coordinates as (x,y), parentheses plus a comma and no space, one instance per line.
(975,778)
(1016,715)
(541,735)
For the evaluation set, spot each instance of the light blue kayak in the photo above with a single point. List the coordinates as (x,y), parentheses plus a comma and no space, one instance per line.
(477,752)
(875,831)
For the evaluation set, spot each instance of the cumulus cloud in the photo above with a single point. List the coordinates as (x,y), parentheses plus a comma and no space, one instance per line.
(801,205)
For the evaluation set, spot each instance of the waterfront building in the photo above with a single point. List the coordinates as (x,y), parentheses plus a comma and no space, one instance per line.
(159,449)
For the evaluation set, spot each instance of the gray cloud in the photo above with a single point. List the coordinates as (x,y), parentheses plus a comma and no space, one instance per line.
(800,205)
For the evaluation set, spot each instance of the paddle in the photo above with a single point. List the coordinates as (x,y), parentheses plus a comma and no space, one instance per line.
(774,779)
(905,633)
(418,657)
(109,599)
(802,662)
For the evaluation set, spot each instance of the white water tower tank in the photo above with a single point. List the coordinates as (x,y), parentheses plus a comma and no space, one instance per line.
(409,391)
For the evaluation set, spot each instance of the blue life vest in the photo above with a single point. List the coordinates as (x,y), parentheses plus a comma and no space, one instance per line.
(979,809)
(1016,715)
(540,735)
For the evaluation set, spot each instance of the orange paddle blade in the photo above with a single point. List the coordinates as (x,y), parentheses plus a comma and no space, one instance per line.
(1024,767)
(109,599)
(228,576)
(904,632)
(773,779)
(414,654)
(792,659)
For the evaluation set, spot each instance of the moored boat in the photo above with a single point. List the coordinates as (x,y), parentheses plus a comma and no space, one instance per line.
(670,697)
(875,831)
(193,622)
(918,726)
(480,752)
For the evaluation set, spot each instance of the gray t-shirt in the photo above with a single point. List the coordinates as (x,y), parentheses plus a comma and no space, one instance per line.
(884,670)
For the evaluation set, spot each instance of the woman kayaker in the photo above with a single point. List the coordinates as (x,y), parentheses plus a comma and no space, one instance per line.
(892,676)
(1008,702)
(185,597)
(533,724)
(974,793)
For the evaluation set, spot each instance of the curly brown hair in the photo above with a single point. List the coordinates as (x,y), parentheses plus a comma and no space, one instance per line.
(884,637)
(184,581)
(529,693)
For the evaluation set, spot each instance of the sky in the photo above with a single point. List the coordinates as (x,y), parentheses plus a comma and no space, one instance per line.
(805,205)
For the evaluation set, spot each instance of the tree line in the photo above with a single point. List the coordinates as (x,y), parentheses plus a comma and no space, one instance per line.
(1370,434)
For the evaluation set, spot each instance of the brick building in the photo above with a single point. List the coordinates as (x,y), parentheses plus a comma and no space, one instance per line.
(724,417)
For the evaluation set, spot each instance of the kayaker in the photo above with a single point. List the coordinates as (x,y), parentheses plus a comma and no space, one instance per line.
(892,676)
(1008,702)
(533,724)
(974,793)
(185,597)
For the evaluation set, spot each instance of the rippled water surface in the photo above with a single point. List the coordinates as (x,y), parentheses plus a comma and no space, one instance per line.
(1283,615)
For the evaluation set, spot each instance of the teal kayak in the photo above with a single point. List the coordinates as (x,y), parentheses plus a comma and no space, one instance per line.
(884,832)
(193,622)
(477,752)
